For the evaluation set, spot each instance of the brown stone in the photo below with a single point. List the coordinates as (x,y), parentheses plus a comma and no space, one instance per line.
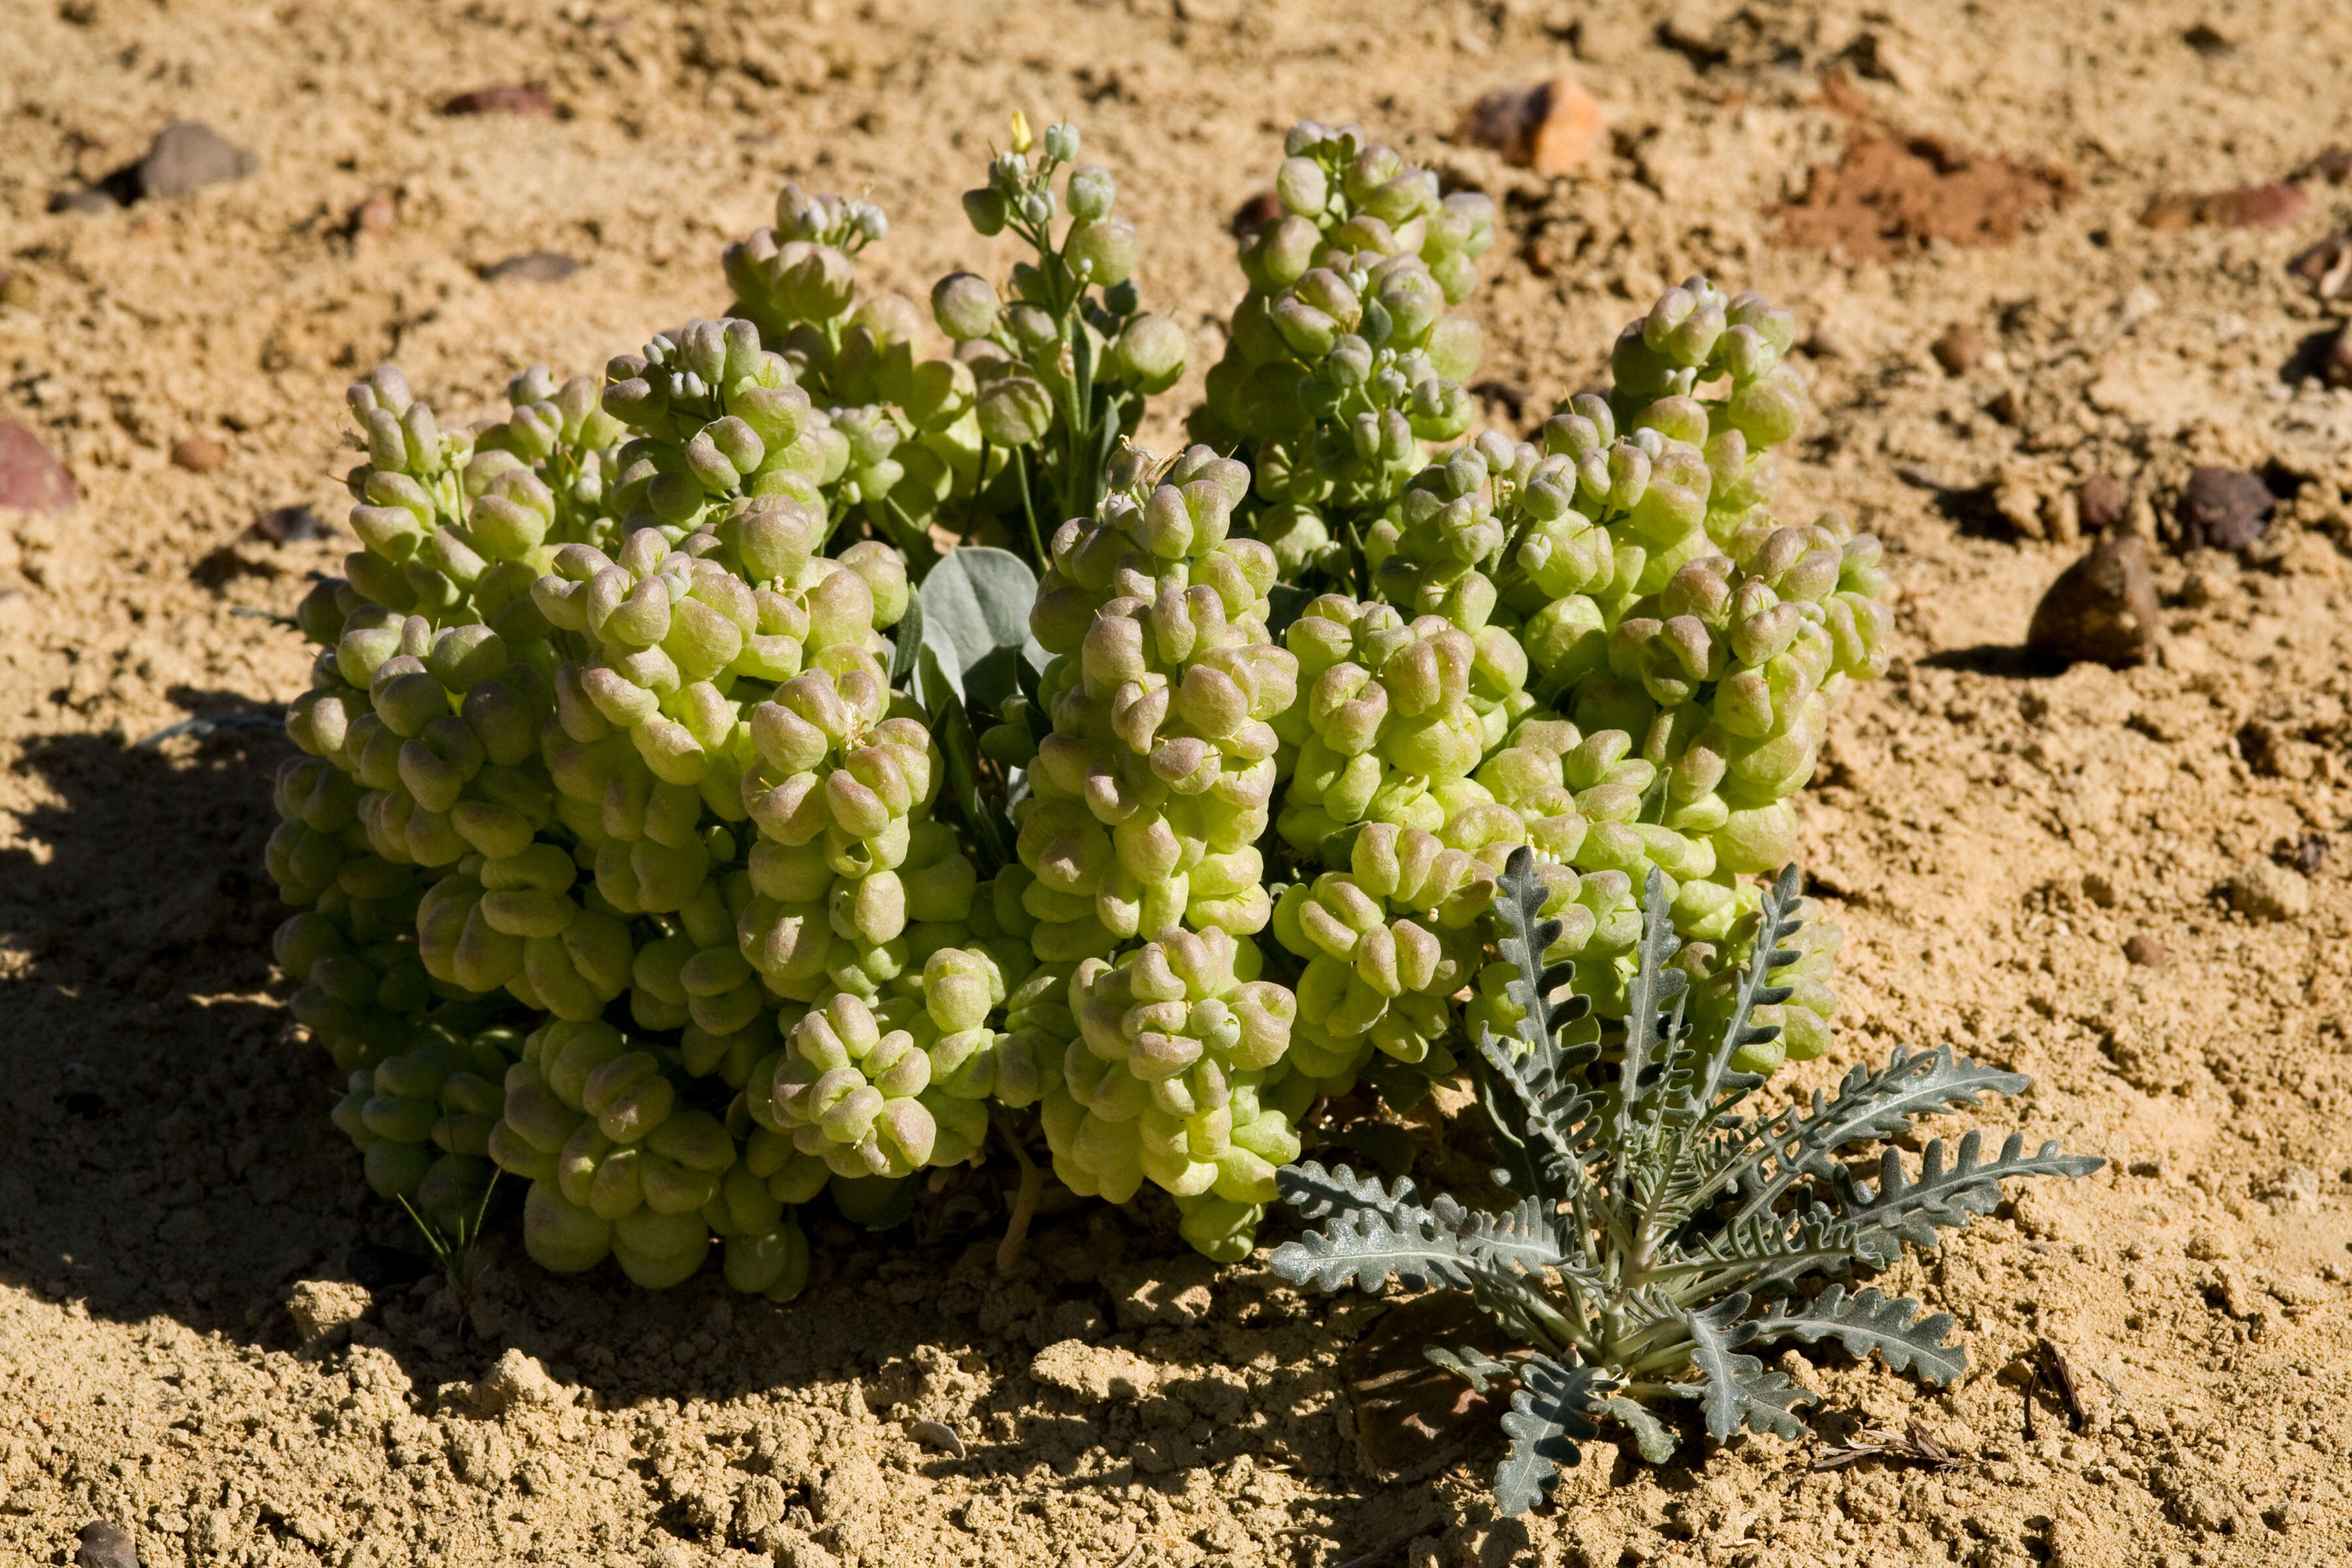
(2223,509)
(30,478)
(2336,366)
(508,98)
(1958,349)
(2248,206)
(2101,504)
(199,454)
(2102,609)
(2327,266)
(1552,126)
(2145,951)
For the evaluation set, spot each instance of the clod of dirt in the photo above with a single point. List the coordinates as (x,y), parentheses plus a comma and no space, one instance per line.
(1410,1411)
(30,478)
(105,1544)
(1958,349)
(1175,1293)
(376,215)
(2266,890)
(187,156)
(2102,609)
(2223,509)
(508,98)
(533,267)
(2145,951)
(199,454)
(1093,1373)
(1892,192)
(516,1380)
(323,1310)
(1552,126)
(2101,504)
(2248,206)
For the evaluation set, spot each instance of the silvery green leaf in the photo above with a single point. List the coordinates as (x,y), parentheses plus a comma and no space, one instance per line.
(1471,1365)
(1735,1390)
(1545,1422)
(1901,1209)
(1864,1323)
(1650,1434)
(976,619)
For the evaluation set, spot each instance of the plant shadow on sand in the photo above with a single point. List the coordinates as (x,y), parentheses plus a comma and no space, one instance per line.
(170,1157)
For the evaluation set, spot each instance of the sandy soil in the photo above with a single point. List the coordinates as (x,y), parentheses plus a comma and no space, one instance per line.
(1991,837)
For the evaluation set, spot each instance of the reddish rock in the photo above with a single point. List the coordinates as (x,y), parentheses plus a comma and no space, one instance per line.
(376,215)
(2248,206)
(2145,951)
(30,478)
(1552,126)
(2101,504)
(2223,509)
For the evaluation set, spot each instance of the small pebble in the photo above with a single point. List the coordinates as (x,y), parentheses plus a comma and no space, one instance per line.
(376,215)
(106,1545)
(1958,351)
(30,478)
(2223,509)
(508,98)
(2248,206)
(535,267)
(199,454)
(2102,609)
(186,156)
(2327,266)
(2333,165)
(287,525)
(90,201)
(2145,951)
(1552,126)
(1538,253)
(2266,890)
(2101,504)
(2310,852)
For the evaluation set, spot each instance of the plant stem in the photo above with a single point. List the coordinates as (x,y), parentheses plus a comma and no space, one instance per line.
(1025,1201)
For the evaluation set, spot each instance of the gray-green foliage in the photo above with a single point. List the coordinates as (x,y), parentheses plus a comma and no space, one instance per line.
(1661,1229)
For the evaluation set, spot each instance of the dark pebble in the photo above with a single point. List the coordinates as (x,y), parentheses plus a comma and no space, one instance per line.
(2102,609)
(1958,351)
(2208,42)
(106,1545)
(30,478)
(505,98)
(186,156)
(2101,503)
(537,267)
(376,1269)
(2327,266)
(2145,951)
(2333,165)
(2257,207)
(2224,508)
(2310,850)
(287,525)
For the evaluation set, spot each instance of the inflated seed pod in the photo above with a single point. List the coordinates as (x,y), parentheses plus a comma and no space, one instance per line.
(1162,1079)
(848,1091)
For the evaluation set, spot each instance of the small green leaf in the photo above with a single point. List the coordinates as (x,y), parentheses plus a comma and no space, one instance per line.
(976,620)
(1650,1434)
